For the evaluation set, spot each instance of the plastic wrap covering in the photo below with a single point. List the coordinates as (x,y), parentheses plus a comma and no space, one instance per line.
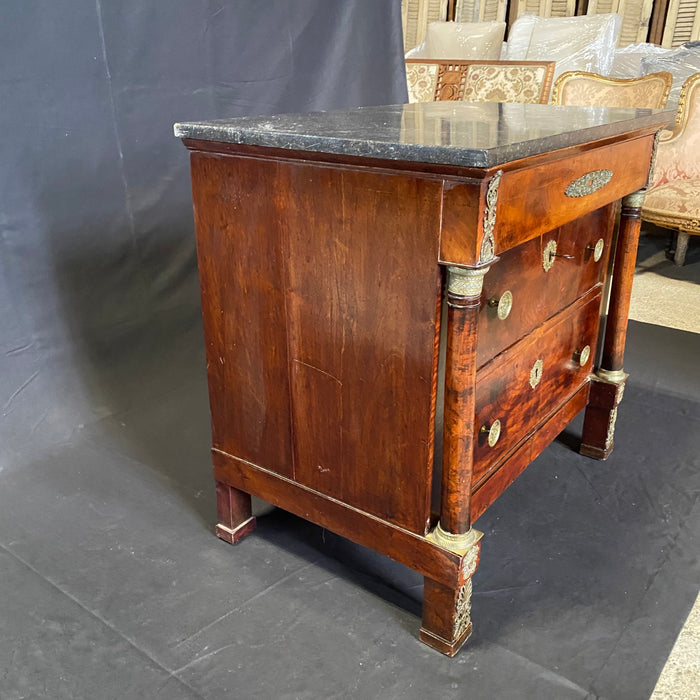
(628,61)
(461,41)
(681,63)
(575,43)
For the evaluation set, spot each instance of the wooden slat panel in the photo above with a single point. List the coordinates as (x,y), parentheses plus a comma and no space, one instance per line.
(544,8)
(635,14)
(415,16)
(481,10)
(682,23)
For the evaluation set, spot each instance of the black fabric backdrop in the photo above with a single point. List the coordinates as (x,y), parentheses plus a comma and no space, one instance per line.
(112,584)
(98,282)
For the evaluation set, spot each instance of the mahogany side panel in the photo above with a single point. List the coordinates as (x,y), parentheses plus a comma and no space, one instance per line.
(362,312)
(243,306)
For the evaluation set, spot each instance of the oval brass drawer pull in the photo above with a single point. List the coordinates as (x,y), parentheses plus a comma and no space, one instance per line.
(493,432)
(597,249)
(581,356)
(504,304)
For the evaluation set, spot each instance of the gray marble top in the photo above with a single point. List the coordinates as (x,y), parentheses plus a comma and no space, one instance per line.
(483,134)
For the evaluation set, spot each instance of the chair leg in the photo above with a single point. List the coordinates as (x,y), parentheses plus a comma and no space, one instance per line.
(681,248)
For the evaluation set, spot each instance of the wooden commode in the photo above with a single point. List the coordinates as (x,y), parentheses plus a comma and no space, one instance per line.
(404,305)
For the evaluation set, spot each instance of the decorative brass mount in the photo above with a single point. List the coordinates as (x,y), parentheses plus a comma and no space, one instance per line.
(588,183)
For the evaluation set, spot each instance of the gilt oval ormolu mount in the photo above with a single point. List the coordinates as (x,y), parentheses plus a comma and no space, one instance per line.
(588,183)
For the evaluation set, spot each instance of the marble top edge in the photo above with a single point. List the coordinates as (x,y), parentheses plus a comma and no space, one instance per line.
(482,134)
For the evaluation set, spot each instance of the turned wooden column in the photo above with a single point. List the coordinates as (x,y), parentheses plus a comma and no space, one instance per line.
(464,288)
(446,609)
(608,382)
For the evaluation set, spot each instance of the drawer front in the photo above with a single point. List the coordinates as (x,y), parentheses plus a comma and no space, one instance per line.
(535,200)
(529,284)
(523,385)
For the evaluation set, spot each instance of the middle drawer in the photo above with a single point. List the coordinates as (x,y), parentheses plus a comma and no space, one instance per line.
(517,390)
(533,281)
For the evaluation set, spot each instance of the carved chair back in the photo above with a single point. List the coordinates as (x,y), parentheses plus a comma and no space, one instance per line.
(678,154)
(479,81)
(673,201)
(590,89)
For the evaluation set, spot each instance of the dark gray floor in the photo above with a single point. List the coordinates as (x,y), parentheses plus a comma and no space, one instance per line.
(112,584)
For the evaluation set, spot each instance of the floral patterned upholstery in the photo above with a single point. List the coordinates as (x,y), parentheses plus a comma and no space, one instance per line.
(503,83)
(678,154)
(589,89)
(479,81)
(673,200)
(421,79)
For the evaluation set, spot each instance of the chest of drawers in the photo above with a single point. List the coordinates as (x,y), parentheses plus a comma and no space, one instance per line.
(403,306)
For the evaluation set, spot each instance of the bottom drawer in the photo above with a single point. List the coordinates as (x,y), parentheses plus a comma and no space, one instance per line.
(518,389)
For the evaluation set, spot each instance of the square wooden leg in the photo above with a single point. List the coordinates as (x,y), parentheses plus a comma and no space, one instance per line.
(600,416)
(234,513)
(447,610)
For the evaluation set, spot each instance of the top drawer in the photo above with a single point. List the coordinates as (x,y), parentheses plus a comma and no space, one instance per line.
(536,200)
(530,201)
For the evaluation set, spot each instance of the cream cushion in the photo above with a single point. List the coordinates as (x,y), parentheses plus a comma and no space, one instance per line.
(462,41)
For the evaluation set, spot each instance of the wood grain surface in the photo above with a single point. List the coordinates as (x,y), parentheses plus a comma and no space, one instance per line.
(538,293)
(504,389)
(321,291)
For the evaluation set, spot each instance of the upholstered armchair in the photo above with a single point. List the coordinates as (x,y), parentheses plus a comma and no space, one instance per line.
(673,201)
(590,89)
(479,81)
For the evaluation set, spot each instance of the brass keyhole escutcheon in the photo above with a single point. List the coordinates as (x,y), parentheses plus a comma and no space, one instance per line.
(504,305)
(549,253)
(582,355)
(492,432)
(536,373)
(597,249)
